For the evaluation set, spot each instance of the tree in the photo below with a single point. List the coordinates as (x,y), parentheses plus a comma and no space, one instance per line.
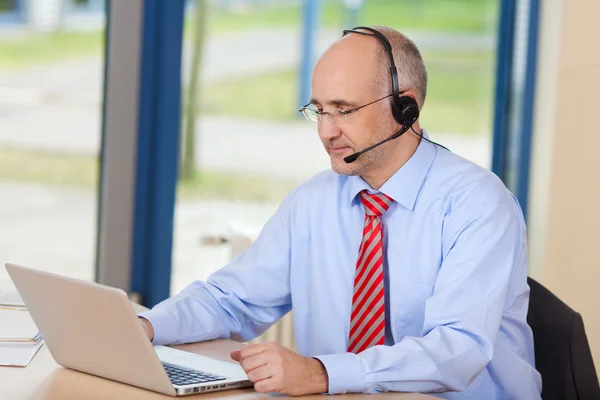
(188,165)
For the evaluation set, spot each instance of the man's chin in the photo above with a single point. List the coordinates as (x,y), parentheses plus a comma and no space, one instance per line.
(341,167)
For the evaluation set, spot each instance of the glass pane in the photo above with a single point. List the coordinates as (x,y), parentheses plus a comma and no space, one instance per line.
(250,146)
(51,80)
(7,6)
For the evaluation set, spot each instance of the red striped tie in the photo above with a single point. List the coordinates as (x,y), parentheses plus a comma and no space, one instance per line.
(367,322)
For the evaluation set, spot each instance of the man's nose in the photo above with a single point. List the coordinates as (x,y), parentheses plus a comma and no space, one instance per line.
(328,130)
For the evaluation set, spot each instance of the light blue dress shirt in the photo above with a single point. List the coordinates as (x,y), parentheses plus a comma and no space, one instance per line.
(455,273)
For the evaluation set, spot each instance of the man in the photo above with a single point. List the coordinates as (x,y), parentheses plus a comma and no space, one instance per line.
(406,269)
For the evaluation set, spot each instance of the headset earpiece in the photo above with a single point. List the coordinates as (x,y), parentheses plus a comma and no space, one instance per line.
(407,109)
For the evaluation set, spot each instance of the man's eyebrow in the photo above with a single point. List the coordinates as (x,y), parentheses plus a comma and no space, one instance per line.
(338,103)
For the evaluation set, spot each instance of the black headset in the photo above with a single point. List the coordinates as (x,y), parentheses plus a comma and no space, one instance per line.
(404,108)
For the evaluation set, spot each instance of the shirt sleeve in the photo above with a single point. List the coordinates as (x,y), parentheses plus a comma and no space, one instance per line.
(241,300)
(461,321)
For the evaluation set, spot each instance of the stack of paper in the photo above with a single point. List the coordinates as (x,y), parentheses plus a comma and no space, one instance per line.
(20,339)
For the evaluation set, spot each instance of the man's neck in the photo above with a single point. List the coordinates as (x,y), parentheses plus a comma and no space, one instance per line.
(405,147)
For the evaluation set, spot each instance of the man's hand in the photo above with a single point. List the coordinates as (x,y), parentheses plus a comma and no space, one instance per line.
(148,328)
(274,368)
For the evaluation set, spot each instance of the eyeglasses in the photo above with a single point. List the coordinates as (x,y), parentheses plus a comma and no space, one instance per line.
(336,117)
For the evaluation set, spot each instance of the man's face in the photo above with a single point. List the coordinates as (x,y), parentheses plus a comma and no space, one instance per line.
(343,79)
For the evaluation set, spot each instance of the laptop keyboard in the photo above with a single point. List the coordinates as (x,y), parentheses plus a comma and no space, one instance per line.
(182,376)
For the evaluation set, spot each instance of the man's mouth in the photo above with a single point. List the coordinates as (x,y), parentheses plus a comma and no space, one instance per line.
(338,150)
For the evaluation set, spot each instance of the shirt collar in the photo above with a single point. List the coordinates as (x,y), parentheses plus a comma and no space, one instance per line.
(404,186)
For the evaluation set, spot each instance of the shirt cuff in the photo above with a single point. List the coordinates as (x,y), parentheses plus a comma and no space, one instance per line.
(345,371)
(164,325)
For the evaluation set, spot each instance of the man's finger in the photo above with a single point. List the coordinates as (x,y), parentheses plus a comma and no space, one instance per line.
(253,349)
(253,362)
(266,386)
(260,373)
(235,355)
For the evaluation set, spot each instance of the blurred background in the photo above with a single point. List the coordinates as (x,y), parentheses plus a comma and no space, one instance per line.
(144,143)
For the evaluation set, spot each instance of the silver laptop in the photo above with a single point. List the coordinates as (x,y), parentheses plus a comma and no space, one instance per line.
(94,329)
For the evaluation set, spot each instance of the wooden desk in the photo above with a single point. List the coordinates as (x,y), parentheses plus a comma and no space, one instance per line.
(44,379)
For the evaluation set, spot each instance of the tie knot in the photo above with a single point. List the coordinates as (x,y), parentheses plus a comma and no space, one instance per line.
(375,204)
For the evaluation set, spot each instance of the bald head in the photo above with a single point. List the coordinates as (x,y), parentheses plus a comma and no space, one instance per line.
(364,62)
(346,71)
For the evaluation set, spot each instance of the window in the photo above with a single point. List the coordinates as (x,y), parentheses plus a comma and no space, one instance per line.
(51,73)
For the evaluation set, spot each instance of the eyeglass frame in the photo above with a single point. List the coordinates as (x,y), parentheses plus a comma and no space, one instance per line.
(344,113)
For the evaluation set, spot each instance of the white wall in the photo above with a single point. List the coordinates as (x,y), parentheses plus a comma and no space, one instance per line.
(564,204)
